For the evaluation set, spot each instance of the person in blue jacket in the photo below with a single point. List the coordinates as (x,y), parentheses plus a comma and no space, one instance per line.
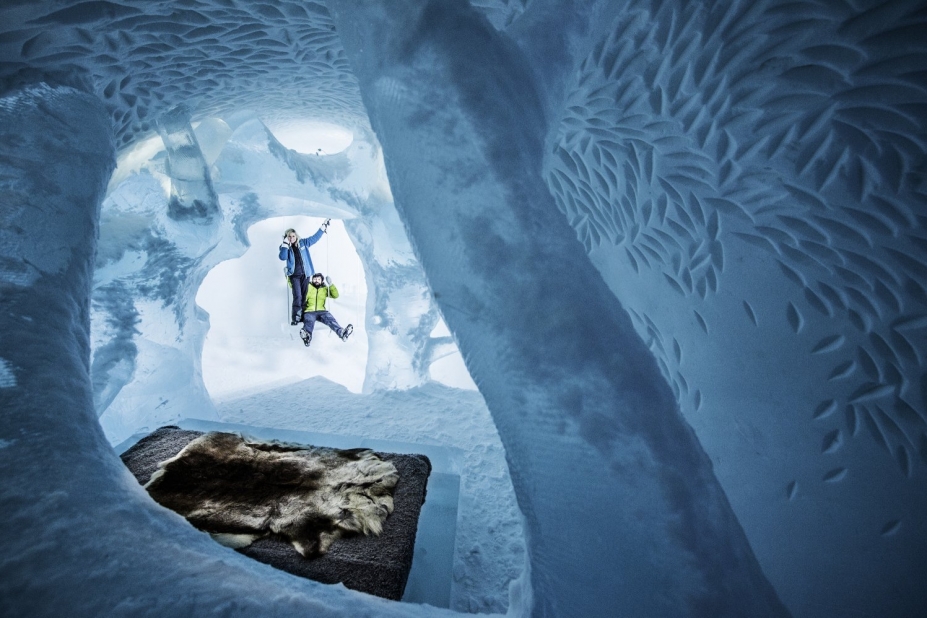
(295,251)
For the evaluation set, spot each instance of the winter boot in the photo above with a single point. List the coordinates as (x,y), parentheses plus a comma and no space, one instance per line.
(346,332)
(306,336)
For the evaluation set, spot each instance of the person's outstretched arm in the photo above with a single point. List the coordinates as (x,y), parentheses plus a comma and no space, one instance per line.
(308,242)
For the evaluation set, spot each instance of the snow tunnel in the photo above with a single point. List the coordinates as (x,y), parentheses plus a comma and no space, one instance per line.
(680,248)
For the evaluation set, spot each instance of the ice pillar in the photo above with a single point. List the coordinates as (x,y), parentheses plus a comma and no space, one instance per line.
(57,158)
(192,194)
(623,513)
(400,310)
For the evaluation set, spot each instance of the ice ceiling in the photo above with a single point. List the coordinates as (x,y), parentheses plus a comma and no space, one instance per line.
(746,188)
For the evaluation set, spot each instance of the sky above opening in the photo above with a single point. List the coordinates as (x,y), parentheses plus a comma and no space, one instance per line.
(311,137)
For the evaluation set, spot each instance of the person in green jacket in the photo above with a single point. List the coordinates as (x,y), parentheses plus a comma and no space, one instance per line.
(314,309)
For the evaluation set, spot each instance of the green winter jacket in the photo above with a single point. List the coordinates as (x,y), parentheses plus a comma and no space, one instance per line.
(315,297)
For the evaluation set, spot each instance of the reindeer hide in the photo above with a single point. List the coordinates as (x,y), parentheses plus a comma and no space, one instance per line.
(241,490)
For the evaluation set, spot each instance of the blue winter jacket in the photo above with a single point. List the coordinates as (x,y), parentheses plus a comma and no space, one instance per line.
(286,253)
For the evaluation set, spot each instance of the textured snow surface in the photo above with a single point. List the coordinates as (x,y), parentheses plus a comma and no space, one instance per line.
(282,59)
(746,180)
(750,183)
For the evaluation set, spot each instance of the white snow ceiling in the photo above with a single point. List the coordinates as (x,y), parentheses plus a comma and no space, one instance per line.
(745,182)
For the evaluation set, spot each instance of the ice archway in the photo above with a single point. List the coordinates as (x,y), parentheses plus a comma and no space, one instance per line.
(151,264)
(747,179)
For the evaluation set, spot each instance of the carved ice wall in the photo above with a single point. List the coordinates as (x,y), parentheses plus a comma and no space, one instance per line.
(748,178)
(277,58)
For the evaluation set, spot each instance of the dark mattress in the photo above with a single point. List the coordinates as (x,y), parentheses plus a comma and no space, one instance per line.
(375,565)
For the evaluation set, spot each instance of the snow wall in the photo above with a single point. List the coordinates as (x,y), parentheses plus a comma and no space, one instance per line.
(739,188)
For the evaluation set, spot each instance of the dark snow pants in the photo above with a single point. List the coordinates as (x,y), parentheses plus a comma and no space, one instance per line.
(300,289)
(326,318)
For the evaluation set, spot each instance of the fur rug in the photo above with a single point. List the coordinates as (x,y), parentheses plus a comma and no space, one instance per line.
(240,491)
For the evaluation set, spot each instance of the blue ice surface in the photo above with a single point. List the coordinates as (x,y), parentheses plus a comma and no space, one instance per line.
(432,565)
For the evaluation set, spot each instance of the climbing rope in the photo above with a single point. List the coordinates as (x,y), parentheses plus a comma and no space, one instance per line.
(328,245)
(327,248)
